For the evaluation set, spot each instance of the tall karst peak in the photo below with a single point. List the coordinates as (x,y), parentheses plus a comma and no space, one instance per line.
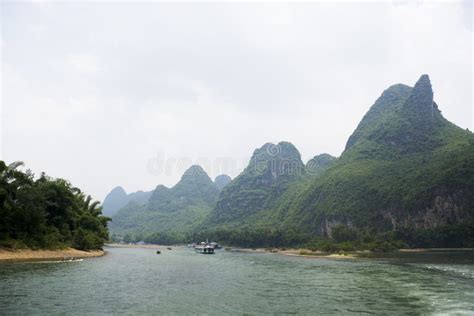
(403,119)
(282,159)
(420,104)
(194,170)
(118,198)
(194,178)
(195,184)
(271,170)
(118,191)
(385,106)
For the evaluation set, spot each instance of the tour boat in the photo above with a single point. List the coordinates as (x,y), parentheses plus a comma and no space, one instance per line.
(204,248)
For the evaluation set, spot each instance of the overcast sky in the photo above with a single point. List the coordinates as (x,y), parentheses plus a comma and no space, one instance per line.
(131,94)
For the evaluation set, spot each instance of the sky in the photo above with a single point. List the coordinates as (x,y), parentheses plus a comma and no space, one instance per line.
(132,93)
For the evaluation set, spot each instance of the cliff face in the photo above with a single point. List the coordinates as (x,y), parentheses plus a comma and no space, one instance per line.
(444,210)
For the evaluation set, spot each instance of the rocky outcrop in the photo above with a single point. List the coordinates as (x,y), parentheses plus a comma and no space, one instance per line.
(444,210)
(328,223)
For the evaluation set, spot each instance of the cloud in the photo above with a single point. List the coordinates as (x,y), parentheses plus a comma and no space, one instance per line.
(93,91)
(84,63)
(468,9)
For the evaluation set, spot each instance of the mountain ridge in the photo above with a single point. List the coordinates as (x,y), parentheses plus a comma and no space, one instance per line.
(404,168)
(170,211)
(118,198)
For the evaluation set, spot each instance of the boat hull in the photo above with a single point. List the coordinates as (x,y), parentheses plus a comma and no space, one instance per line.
(204,251)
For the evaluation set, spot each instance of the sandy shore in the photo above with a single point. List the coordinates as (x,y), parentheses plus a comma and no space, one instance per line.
(365,254)
(298,253)
(47,255)
(316,254)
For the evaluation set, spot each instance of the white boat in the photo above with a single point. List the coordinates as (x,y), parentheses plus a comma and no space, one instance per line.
(204,248)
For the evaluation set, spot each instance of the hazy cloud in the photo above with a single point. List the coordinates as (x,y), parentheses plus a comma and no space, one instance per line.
(95,91)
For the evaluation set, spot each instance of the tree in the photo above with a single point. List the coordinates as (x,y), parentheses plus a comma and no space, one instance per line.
(47,212)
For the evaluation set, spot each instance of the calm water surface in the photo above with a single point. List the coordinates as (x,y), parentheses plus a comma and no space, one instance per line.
(137,281)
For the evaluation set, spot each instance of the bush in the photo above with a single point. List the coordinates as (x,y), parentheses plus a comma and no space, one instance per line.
(87,240)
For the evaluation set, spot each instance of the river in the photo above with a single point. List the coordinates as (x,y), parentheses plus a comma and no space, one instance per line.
(179,281)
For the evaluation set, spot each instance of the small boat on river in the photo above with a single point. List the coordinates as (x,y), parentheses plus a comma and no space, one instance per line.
(204,248)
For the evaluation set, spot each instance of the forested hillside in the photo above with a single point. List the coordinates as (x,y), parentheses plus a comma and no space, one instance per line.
(171,213)
(405,166)
(271,170)
(406,172)
(406,177)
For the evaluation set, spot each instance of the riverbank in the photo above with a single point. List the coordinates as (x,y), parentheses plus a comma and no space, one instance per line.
(318,254)
(146,246)
(300,252)
(415,253)
(362,254)
(47,255)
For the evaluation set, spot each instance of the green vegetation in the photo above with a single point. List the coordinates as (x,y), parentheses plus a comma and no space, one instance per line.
(405,179)
(271,171)
(345,239)
(118,198)
(319,164)
(47,213)
(253,237)
(402,167)
(459,235)
(405,169)
(171,213)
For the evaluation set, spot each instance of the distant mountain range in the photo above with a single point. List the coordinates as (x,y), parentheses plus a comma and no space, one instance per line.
(404,167)
(174,211)
(118,198)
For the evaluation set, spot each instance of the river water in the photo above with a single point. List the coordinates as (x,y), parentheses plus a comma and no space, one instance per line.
(179,281)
